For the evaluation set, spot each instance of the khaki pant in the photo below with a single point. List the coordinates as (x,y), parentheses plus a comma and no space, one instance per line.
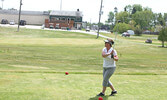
(107,73)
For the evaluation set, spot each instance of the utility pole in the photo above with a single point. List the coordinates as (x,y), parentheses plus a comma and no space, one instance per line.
(19,16)
(100,13)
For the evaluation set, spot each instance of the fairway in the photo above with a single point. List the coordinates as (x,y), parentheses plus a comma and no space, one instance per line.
(33,65)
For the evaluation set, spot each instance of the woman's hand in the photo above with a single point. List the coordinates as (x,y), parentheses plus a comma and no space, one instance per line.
(116,58)
(112,52)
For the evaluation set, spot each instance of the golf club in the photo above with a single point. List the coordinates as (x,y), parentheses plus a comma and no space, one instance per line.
(115,37)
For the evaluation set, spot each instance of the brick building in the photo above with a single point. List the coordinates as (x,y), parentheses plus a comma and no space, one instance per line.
(64,19)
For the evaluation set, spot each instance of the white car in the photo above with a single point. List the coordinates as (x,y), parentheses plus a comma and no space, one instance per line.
(12,22)
(131,32)
(87,29)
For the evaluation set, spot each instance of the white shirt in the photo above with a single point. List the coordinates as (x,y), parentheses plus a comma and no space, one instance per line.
(108,61)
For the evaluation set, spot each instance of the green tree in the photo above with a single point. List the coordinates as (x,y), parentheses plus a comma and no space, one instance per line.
(147,9)
(136,7)
(132,24)
(143,18)
(129,8)
(121,27)
(123,16)
(155,19)
(161,20)
(165,17)
(163,35)
(110,17)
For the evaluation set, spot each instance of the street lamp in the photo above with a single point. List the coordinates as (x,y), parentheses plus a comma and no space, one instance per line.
(115,10)
(19,16)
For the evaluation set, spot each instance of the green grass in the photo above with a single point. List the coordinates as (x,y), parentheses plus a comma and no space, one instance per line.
(33,63)
(49,86)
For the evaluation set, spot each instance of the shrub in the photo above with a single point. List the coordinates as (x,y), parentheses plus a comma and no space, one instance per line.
(138,32)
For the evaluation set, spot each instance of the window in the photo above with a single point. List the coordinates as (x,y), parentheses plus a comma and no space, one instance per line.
(57,18)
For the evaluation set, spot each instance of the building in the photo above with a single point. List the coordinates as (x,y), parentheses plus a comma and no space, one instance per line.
(53,19)
(31,17)
(64,20)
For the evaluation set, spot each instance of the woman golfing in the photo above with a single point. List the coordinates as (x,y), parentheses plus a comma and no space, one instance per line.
(109,57)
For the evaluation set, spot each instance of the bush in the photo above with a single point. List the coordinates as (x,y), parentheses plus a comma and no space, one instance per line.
(138,32)
(163,36)
(121,27)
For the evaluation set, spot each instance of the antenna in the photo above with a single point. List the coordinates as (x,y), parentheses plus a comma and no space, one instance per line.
(60,5)
(2,3)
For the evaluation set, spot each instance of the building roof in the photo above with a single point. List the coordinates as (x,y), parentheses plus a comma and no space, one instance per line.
(66,13)
(16,12)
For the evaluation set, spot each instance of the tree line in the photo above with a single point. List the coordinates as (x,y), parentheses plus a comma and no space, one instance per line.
(138,18)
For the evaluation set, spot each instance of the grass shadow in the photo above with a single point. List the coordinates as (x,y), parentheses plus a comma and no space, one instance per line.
(97,98)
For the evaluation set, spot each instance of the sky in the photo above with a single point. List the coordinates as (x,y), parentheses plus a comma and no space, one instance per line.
(89,8)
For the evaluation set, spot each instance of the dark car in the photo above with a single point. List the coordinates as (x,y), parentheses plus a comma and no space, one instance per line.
(126,34)
(148,41)
(4,21)
(22,22)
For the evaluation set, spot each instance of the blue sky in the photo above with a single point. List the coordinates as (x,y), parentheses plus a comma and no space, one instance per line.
(90,8)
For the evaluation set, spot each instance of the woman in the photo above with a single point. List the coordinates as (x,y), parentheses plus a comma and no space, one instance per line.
(109,57)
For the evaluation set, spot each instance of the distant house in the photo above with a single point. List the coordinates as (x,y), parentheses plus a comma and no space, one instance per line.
(64,19)
(31,17)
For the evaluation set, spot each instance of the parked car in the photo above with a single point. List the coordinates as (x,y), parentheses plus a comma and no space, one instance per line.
(22,22)
(4,21)
(146,32)
(12,22)
(126,34)
(148,41)
(51,25)
(131,32)
(87,29)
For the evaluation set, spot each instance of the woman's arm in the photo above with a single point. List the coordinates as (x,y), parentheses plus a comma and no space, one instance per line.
(106,54)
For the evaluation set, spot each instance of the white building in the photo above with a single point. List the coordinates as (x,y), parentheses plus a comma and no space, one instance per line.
(31,17)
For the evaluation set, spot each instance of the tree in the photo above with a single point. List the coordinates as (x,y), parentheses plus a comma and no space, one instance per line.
(147,8)
(128,8)
(136,7)
(155,19)
(132,24)
(165,17)
(134,10)
(163,36)
(110,17)
(143,18)
(138,32)
(161,20)
(121,27)
(123,16)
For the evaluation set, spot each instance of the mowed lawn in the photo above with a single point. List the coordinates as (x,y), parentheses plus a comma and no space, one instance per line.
(33,63)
